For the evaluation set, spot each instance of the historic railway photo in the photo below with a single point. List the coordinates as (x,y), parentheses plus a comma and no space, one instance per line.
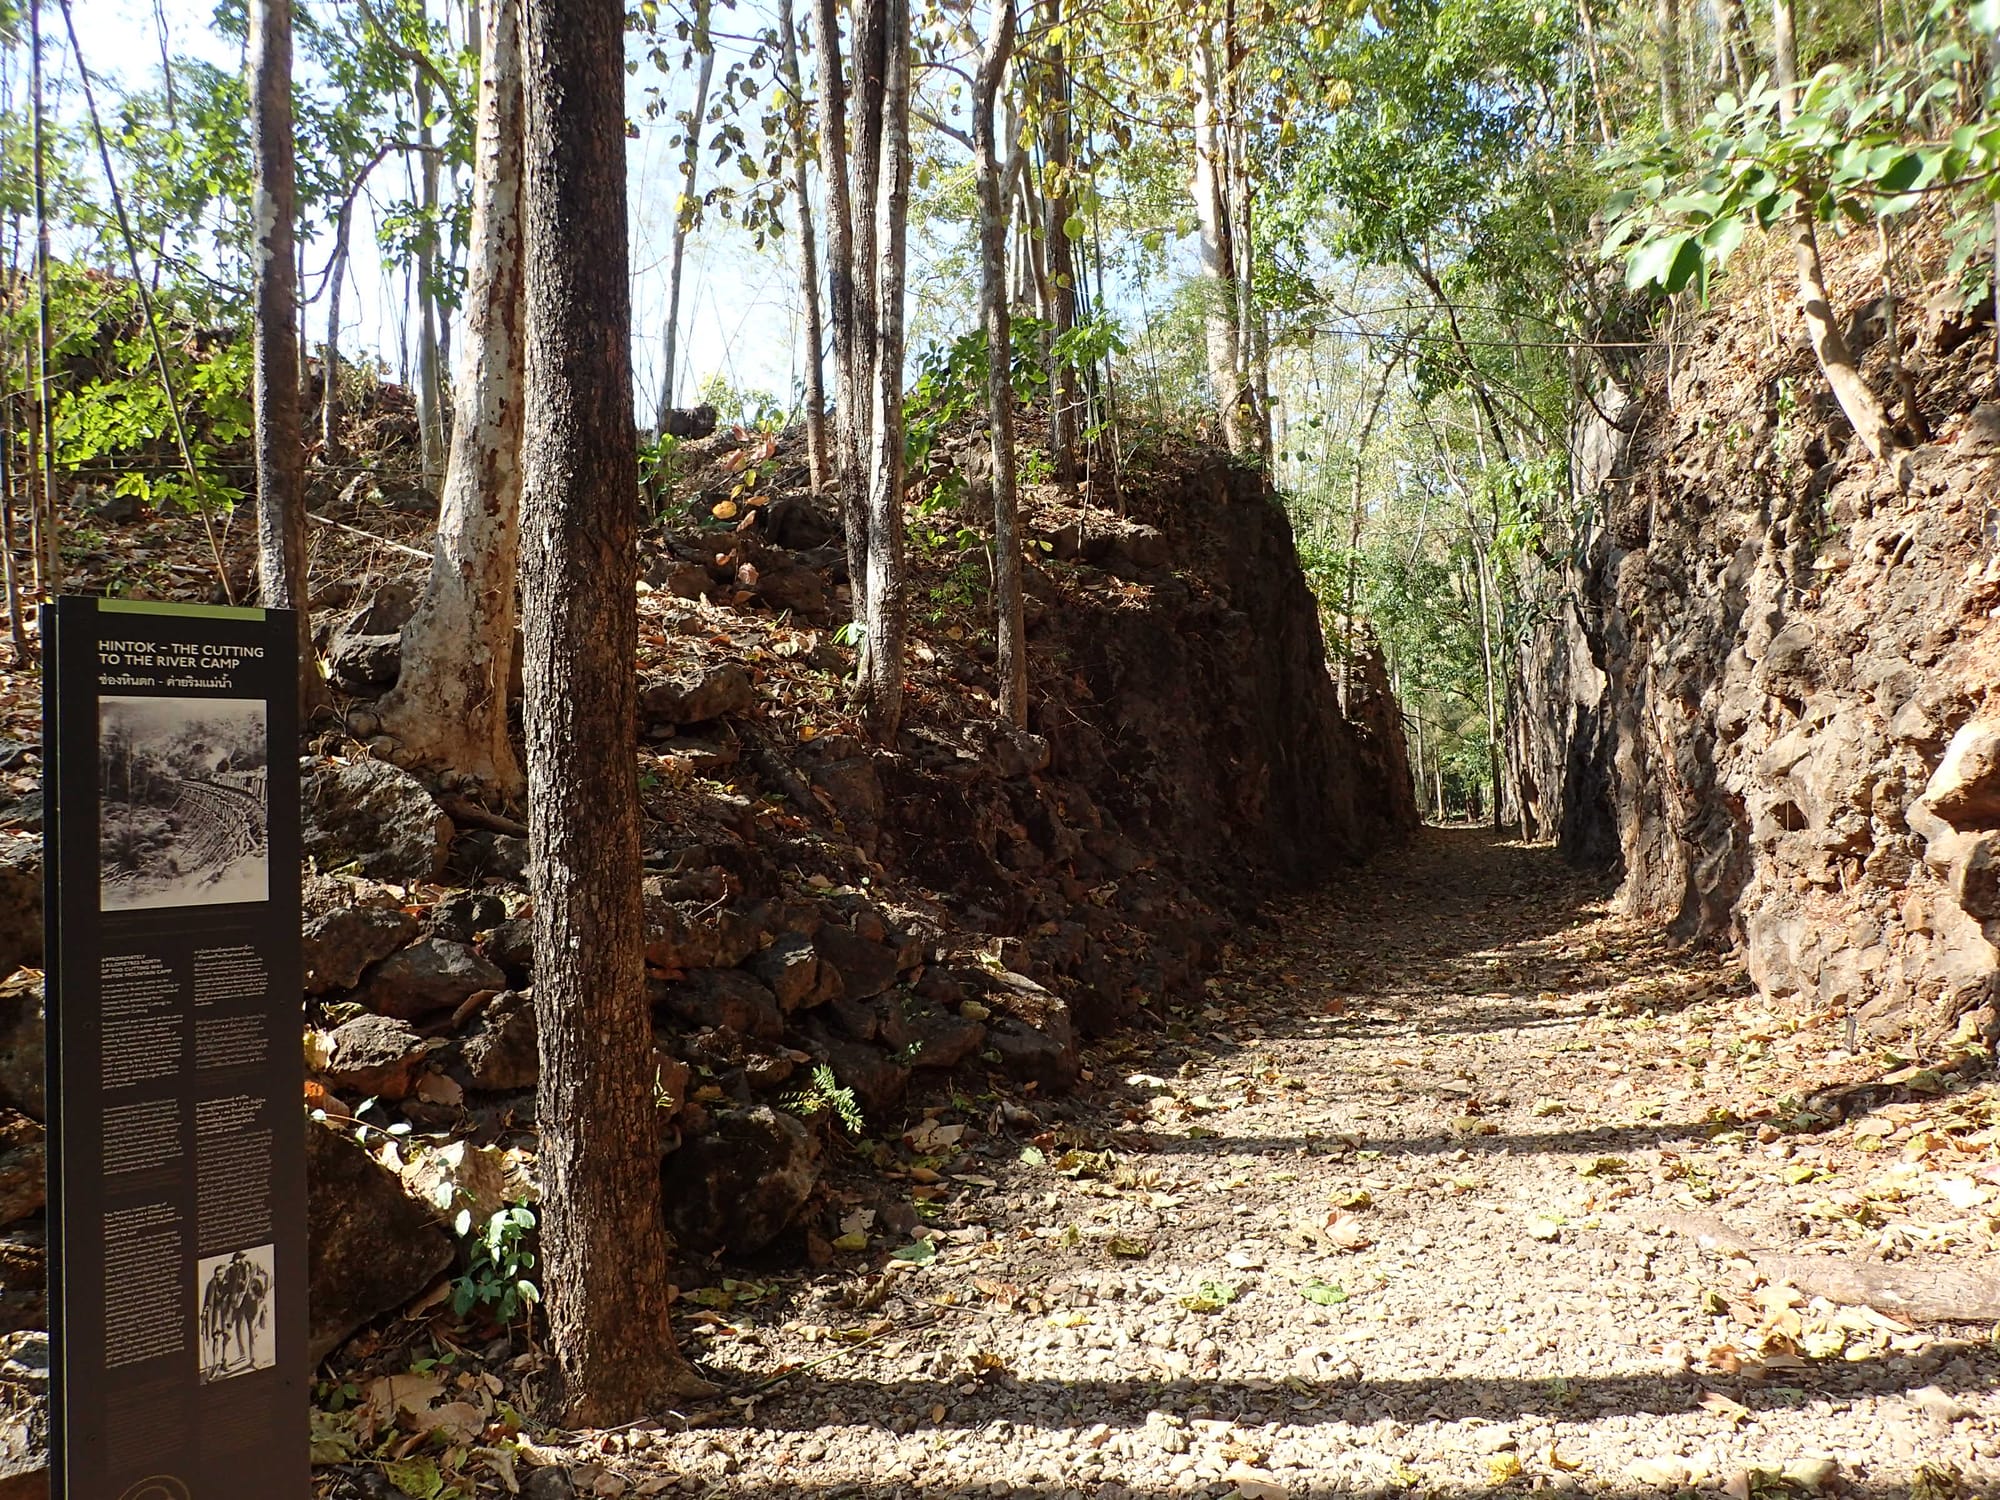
(181,787)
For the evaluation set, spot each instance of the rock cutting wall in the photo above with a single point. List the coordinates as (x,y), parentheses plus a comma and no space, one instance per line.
(1770,693)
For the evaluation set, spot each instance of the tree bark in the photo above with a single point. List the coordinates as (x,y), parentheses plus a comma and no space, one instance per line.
(816,452)
(329,385)
(1667,17)
(1218,254)
(281,515)
(1864,410)
(881,679)
(1010,628)
(42,525)
(449,706)
(603,1242)
(430,384)
(847,357)
(1059,207)
(676,255)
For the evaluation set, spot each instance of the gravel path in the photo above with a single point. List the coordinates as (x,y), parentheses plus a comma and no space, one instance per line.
(1382,1219)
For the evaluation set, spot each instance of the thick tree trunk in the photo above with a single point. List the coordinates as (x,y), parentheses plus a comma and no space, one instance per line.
(281,515)
(1218,254)
(449,707)
(603,1243)
(881,680)
(1010,629)
(816,454)
(1864,410)
(676,255)
(848,358)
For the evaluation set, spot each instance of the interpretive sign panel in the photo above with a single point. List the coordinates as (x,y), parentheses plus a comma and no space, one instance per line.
(177,1197)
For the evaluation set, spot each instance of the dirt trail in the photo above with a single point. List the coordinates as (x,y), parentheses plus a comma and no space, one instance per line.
(1378,1220)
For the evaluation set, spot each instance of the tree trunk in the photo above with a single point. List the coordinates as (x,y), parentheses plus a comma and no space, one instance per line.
(281,515)
(1667,17)
(604,1246)
(816,454)
(1218,254)
(881,681)
(683,206)
(1486,663)
(1350,642)
(329,386)
(42,526)
(449,706)
(430,391)
(1857,400)
(848,358)
(1010,628)
(1059,208)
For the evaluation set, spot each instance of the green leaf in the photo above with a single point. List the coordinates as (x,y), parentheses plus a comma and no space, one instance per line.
(916,1253)
(415,1477)
(1653,261)
(1325,1293)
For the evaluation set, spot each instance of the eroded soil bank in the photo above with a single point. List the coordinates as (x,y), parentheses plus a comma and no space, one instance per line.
(1412,1204)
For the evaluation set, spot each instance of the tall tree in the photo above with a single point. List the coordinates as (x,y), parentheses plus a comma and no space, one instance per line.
(817,460)
(685,208)
(281,514)
(604,1244)
(849,414)
(1059,218)
(449,706)
(989,170)
(1217,245)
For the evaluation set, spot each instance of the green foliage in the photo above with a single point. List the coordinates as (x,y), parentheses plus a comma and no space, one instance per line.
(824,1095)
(499,1259)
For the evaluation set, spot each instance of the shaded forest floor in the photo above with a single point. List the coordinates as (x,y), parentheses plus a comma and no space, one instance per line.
(1392,1214)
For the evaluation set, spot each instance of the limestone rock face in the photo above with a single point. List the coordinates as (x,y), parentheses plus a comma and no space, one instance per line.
(1774,704)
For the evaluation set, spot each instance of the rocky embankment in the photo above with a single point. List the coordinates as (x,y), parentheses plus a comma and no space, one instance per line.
(824,918)
(1770,690)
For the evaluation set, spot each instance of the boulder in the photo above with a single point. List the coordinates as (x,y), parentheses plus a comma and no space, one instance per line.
(376,1055)
(512,946)
(365,664)
(20,903)
(675,940)
(459,1175)
(372,1246)
(696,695)
(866,969)
(464,916)
(24,1166)
(728,999)
(790,969)
(382,820)
(876,1079)
(23,1059)
(501,1052)
(853,788)
(1965,788)
(742,1184)
(501,855)
(1018,753)
(24,1416)
(338,946)
(786,585)
(942,1039)
(24,1277)
(1033,1055)
(428,978)
(1975,878)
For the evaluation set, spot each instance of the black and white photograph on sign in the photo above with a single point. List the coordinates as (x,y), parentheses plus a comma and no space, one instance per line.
(182,818)
(233,1298)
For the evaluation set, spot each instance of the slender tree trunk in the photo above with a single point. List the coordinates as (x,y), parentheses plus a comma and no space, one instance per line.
(449,706)
(1486,663)
(848,357)
(816,454)
(43,527)
(1059,209)
(281,515)
(430,379)
(604,1244)
(1357,512)
(1863,408)
(329,388)
(1595,66)
(683,209)
(17,629)
(882,678)
(1667,18)
(1010,628)
(1218,254)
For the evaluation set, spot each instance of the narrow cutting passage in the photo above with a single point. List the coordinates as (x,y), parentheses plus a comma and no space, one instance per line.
(1413,1205)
